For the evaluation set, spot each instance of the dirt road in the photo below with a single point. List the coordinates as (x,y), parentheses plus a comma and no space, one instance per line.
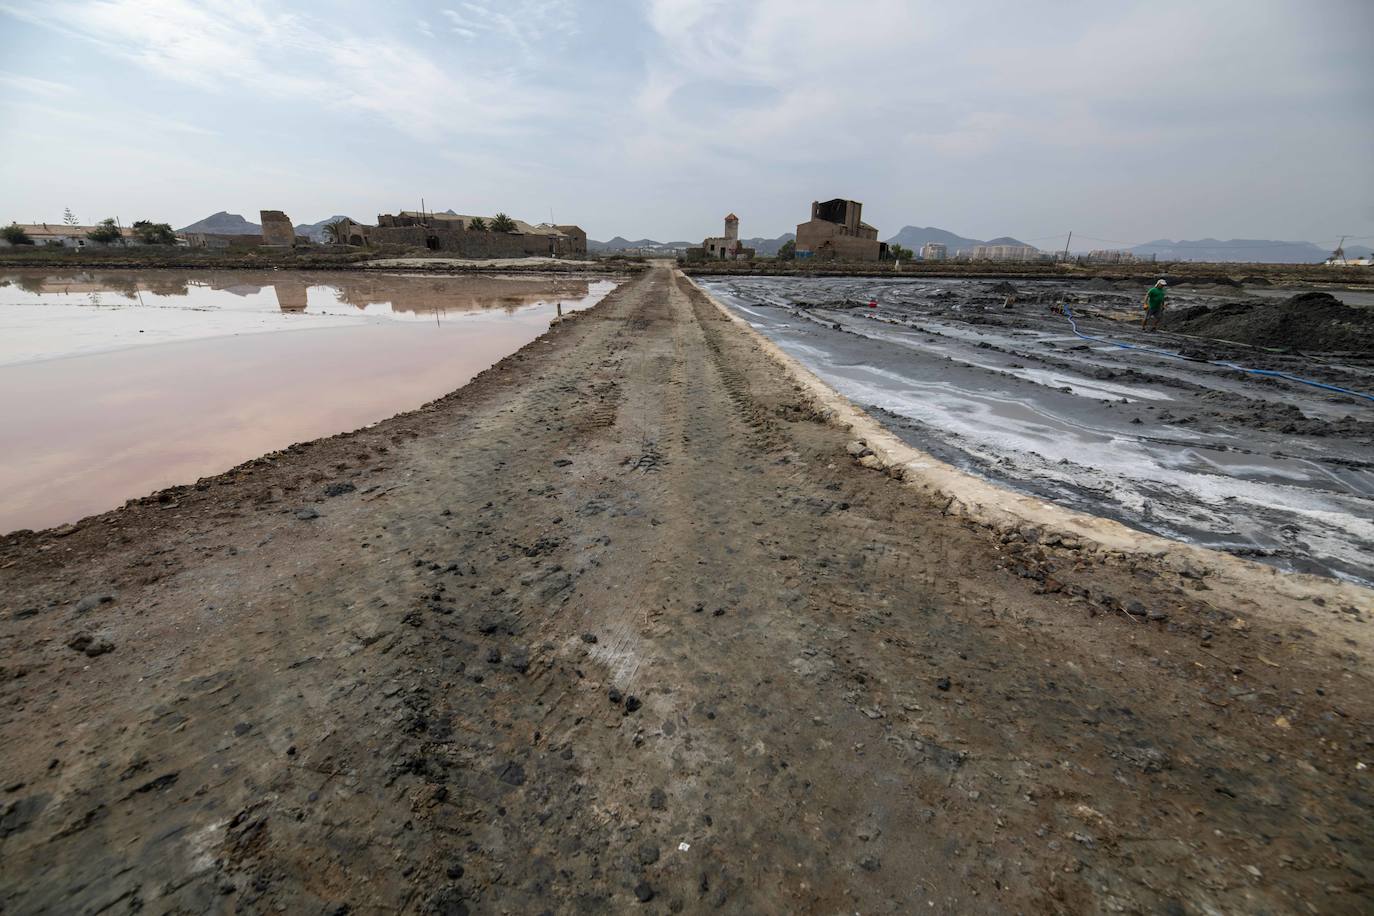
(622,626)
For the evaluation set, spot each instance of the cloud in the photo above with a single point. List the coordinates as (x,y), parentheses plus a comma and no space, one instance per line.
(218,45)
(33,85)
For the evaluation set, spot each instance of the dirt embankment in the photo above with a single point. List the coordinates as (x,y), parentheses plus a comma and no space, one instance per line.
(1314,322)
(623,625)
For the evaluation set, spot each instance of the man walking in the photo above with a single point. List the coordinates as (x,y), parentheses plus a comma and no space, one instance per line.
(1154,307)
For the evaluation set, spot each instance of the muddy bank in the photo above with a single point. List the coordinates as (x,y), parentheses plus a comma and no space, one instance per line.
(1313,322)
(624,626)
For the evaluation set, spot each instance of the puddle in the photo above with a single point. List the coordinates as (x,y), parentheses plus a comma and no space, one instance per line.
(115,384)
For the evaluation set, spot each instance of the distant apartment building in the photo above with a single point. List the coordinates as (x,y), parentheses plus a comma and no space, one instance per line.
(454,233)
(722,248)
(1114,256)
(837,232)
(934,251)
(1005,253)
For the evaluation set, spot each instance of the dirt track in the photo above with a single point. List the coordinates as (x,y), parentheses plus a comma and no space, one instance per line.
(415,695)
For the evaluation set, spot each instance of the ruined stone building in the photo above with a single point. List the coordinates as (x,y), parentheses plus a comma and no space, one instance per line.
(723,248)
(277,230)
(453,233)
(836,232)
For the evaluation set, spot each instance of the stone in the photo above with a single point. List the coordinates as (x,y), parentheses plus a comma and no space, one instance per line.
(643,892)
(870,863)
(307,514)
(91,602)
(512,774)
(942,684)
(632,704)
(614,695)
(648,854)
(339,489)
(658,800)
(589,638)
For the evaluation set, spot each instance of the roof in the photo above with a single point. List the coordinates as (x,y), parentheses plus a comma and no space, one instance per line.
(62,230)
(732,217)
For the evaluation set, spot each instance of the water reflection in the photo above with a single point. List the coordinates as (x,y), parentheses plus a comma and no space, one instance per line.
(116,383)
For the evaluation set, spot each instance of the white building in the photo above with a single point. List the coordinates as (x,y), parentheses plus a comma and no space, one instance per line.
(934,251)
(61,235)
(1005,253)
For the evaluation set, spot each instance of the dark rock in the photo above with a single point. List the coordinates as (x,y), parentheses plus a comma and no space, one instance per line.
(91,602)
(589,638)
(648,854)
(519,659)
(632,704)
(942,684)
(658,800)
(870,863)
(562,462)
(614,695)
(339,489)
(455,871)
(307,514)
(512,774)
(644,892)
(494,655)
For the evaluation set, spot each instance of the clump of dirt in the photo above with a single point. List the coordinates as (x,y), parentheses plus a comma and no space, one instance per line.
(1004,288)
(1315,322)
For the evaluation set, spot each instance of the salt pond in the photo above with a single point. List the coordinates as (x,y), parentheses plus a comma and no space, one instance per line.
(117,383)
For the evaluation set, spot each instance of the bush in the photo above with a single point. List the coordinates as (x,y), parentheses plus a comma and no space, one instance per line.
(15,235)
(150,233)
(105,232)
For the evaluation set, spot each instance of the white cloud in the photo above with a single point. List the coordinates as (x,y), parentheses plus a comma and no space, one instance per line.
(33,85)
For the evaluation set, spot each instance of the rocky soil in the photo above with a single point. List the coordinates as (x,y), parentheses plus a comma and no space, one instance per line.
(624,626)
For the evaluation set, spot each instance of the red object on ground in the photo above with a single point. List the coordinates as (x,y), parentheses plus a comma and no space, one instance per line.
(872,303)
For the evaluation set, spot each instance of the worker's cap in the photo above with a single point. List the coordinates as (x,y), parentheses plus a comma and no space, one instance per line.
(1162,283)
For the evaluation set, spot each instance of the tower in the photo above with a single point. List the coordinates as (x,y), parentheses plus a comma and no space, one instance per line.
(731,227)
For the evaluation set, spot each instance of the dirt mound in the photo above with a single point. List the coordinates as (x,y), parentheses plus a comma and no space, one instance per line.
(1309,321)
(1004,288)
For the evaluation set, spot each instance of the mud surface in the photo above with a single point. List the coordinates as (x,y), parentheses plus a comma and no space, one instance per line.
(621,626)
(1314,322)
(1265,468)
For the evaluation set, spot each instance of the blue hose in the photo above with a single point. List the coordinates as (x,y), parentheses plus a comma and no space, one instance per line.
(1270,373)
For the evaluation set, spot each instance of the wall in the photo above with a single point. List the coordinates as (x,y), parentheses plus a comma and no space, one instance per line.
(277,229)
(824,239)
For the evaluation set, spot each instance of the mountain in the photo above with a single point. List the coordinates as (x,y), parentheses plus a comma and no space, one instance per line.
(223,223)
(1007,240)
(914,237)
(1261,251)
(762,246)
(315,231)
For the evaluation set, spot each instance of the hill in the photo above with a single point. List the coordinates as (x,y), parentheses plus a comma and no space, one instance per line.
(315,231)
(914,237)
(223,223)
(762,246)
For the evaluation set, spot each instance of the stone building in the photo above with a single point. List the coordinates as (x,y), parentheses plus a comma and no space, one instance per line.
(723,248)
(277,230)
(934,251)
(453,233)
(836,232)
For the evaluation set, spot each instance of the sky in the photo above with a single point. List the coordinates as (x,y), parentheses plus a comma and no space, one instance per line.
(1123,121)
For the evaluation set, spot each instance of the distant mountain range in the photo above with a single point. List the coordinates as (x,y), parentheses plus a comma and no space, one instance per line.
(1263,251)
(315,231)
(762,246)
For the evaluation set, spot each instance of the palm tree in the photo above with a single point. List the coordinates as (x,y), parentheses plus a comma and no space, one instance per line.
(502,223)
(336,232)
(477,224)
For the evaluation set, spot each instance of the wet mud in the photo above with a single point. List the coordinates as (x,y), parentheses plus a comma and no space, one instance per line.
(992,378)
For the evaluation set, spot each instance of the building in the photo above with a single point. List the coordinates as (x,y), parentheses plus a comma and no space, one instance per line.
(723,248)
(836,232)
(61,235)
(1112,256)
(220,240)
(1005,253)
(934,251)
(453,232)
(277,231)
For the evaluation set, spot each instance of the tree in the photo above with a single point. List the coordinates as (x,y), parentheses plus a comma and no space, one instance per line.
(336,232)
(15,235)
(788,250)
(106,231)
(477,224)
(69,217)
(502,223)
(899,253)
(150,233)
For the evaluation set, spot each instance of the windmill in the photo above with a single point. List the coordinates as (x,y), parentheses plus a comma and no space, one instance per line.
(1337,258)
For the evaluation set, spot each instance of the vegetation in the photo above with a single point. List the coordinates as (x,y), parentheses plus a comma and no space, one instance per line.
(788,251)
(15,235)
(478,224)
(151,233)
(69,217)
(105,232)
(899,253)
(335,232)
(502,223)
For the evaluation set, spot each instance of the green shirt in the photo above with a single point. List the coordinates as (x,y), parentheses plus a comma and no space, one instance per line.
(1155,297)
